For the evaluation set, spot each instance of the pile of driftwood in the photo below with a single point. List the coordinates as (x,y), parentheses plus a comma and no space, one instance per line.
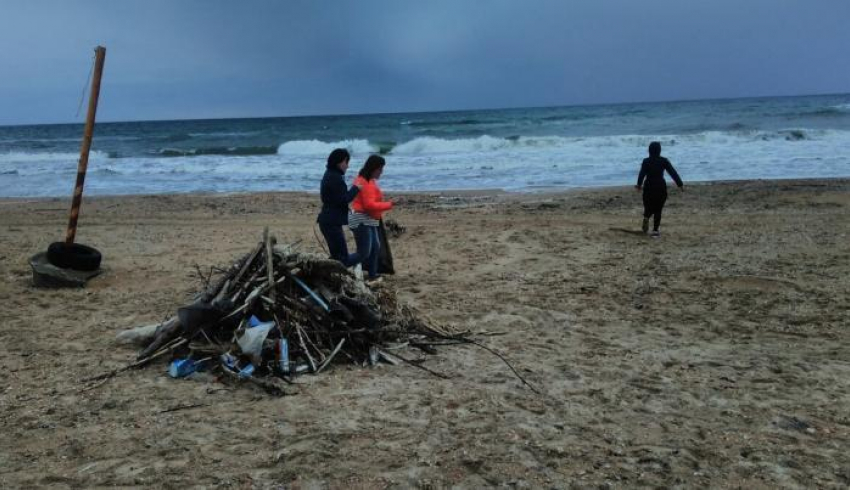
(276,313)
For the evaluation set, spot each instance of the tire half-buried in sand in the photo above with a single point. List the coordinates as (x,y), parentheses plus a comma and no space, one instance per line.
(73,256)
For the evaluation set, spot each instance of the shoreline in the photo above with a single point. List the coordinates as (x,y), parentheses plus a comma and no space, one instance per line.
(443,192)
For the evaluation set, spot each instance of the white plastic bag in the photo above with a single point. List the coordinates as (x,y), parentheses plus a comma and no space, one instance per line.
(251,342)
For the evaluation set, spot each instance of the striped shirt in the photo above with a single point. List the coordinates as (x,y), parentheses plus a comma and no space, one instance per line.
(356,219)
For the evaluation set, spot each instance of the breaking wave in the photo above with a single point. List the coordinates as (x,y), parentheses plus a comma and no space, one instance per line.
(313,148)
(218,150)
(430,145)
(47,157)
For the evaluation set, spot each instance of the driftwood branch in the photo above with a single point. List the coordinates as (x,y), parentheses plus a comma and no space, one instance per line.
(165,333)
(268,386)
(267,240)
(141,362)
(417,365)
(330,357)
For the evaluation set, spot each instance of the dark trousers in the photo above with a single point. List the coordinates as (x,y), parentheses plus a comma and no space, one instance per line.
(368,247)
(335,238)
(653,204)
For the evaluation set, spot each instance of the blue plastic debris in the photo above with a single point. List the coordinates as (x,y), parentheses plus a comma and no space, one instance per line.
(312,294)
(228,360)
(180,368)
(247,371)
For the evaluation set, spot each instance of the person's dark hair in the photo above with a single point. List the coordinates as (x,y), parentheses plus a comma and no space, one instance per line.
(374,162)
(655,149)
(338,156)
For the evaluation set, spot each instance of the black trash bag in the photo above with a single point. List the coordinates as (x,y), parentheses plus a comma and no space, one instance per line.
(339,312)
(385,254)
(197,315)
(361,313)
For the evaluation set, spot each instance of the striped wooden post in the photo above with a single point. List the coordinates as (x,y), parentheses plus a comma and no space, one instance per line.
(99,57)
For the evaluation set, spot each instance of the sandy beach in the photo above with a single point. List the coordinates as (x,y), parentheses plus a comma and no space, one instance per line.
(715,357)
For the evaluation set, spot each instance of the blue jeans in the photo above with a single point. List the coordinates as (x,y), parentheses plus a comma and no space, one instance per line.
(337,246)
(368,247)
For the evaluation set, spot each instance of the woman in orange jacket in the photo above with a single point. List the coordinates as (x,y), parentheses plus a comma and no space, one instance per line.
(366,211)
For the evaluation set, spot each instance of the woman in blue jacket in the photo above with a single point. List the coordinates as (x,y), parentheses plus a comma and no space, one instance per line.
(335,198)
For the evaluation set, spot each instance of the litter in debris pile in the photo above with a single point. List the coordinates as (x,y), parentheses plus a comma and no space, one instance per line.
(277,313)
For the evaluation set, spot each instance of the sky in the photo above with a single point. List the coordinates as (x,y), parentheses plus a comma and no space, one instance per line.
(191,59)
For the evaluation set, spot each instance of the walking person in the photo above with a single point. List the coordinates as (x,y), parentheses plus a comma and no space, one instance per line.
(651,181)
(366,211)
(335,199)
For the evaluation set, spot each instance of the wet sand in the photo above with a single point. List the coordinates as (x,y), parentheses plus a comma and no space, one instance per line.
(717,356)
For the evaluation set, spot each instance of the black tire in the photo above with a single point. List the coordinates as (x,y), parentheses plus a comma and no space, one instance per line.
(74,256)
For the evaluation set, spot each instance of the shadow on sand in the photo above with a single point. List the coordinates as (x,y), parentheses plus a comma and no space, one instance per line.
(630,232)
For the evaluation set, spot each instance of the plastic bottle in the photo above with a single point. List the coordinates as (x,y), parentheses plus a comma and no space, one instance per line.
(180,368)
(281,351)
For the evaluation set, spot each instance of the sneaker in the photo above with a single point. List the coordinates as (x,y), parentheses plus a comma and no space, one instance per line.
(645,226)
(374,280)
(655,234)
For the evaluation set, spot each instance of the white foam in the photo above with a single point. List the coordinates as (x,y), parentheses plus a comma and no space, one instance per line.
(527,162)
(490,144)
(431,145)
(316,148)
(47,157)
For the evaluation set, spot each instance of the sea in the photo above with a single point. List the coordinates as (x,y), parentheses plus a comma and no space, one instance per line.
(521,150)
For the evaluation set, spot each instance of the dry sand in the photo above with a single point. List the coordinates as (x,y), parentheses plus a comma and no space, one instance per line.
(717,356)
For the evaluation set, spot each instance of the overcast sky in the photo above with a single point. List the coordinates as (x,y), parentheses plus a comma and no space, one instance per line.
(185,59)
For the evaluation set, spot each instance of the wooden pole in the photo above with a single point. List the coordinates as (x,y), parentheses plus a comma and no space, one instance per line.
(99,57)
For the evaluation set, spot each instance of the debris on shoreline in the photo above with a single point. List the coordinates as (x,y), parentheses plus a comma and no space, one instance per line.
(276,313)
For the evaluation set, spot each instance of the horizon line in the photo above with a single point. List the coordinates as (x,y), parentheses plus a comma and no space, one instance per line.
(356,114)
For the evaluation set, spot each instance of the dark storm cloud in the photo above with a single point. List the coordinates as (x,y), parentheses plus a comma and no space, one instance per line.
(194,59)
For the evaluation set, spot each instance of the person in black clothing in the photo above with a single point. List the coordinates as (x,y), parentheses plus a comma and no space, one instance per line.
(334,215)
(651,181)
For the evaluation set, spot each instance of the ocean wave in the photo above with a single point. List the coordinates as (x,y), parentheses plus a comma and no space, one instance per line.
(431,145)
(107,171)
(489,162)
(833,111)
(217,150)
(484,144)
(830,112)
(174,137)
(26,141)
(576,117)
(448,122)
(383,147)
(222,134)
(316,148)
(48,157)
